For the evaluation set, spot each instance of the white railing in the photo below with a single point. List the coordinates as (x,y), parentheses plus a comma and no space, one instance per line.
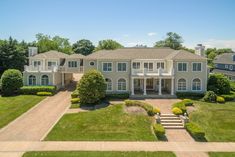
(31,68)
(154,72)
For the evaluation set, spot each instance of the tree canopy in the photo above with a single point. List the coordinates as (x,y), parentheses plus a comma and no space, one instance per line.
(84,47)
(108,45)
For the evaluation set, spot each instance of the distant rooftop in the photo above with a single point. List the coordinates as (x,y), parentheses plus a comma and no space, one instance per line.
(226,58)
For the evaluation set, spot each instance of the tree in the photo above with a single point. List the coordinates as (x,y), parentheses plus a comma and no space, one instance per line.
(46,43)
(84,47)
(11,80)
(173,40)
(219,84)
(187,49)
(91,87)
(108,45)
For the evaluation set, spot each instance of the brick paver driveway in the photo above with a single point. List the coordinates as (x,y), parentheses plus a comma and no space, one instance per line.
(163,104)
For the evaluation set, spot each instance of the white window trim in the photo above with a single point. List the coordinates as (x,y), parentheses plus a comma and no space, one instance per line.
(160,64)
(90,63)
(126,84)
(226,66)
(230,67)
(192,84)
(28,80)
(37,61)
(52,61)
(148,66)
(117,66)
(73,61)
(111,84)
(178,85)
(41,80)
(186,67)
(103,66)
(132,65)
(192,66)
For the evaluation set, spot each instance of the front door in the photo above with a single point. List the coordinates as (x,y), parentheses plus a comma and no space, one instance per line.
(149,83)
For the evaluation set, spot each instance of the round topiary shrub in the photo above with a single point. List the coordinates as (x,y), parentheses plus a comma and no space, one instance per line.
(156,110)
(91,88)
(220,99)
(12,80)
(210,96)
(177,111)
(159,130)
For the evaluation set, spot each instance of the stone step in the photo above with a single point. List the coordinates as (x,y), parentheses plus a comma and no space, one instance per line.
(168,115)
(169,118)
(171,121)
(173,127)
(172,124)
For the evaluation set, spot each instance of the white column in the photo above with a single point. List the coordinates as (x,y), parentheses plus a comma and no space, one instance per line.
(172,86)
(62,79)
(160,86)
(132,87)
(145,86)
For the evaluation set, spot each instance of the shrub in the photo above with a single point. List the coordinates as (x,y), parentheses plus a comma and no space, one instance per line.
(229,97)
(232,85)
(177,111)
(12,80)
(117,95)
(159,130)
(91,87)
(181,106)
(219,84)
(33,90)
(75,100)
(210,96)
(44,94)
(74,94)
(191,95)
(147,107)
(220,99)
(195,131)
(187,102)
(156,110)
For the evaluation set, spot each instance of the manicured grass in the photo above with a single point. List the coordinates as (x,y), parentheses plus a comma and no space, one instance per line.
(14,106)
(220,154)
(99,154)
(217,120)
(107,124)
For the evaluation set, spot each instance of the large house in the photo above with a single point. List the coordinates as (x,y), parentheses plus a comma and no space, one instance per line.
(139,71)
(225,64)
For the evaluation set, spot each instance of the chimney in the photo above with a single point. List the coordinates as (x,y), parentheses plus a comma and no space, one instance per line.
(199,50)
(32,51)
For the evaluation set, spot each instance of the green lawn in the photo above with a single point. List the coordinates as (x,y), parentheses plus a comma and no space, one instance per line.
(107,124)
(99,154)
(13,107)
(219,154)
(217,120)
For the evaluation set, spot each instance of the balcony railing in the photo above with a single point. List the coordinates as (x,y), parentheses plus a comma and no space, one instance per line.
(31,68)
(154,72)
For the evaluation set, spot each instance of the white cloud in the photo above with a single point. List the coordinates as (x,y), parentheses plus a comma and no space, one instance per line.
(125,35)
(151,34)
(220,43)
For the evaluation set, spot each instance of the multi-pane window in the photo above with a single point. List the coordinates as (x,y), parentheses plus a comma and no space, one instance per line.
(45,80)
(160,65)
(36,63)
(148,66)
(32,80)
(72,64)
(231,67)
(121,84)
(182,66)
(108,84)
(136,65)
(51,63)
(196,84)
(121,67)
(107,67)
(197,66)
(181,84)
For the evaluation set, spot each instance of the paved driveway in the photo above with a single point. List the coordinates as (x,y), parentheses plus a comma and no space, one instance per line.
(34,124)
(163,104)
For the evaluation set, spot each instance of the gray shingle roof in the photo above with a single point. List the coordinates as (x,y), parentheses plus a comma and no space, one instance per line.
(51,54)
(226,58)
(76,56)
(226,72)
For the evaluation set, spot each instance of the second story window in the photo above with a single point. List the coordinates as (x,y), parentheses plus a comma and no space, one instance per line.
(72,64)
(136,65)
(231,67)
(148,66)
(121,67)
(51,63)
(160,65)
(36,63)
(182,66)
(197,67)
(107,67)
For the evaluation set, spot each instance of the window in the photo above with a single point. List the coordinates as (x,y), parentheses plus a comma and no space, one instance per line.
(73,64)
(36,63)
(181,84)
(107,67)
(160,65)
(136,65)
(148,66)
(121,84)
(231,67)
(45,80)
(121,67)
(226,66)
(32,80)
(182,66)
(108,84)
(51,63)
(196,84)
(92,63)
(197,66)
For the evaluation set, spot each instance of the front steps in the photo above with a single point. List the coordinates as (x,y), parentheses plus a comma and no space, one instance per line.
(171,121)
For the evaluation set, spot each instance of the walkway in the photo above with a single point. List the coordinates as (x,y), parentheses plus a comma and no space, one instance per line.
(165,105)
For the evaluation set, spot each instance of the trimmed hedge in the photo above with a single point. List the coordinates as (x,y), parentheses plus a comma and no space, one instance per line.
(232,85)
(75,100)
(74,94)
(44,94)
(220,99)
(195,131)
(180,105)
(33,90)
(159,130)
(229,97)
(188,102)
(210,96)
(148,108)
(177,111)
(191,95)
(117,95)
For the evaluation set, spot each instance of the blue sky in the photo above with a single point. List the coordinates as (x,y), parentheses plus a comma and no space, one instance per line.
(130,22)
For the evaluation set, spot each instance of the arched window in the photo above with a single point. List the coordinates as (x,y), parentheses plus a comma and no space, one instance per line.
(108,84)
(121,84)
(196,84)
(181,84)
(32,80)
(45,80)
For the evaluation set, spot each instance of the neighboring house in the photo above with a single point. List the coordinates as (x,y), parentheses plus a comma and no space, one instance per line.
(225,64)
(150,71)
(51,68)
